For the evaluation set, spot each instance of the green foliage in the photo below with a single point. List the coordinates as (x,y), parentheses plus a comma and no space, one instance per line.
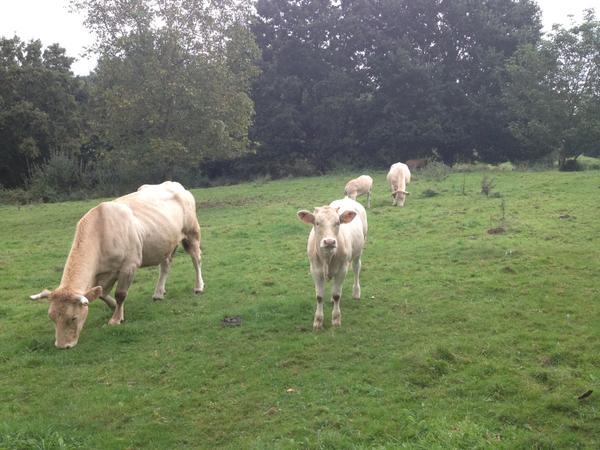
(378,82)
(39,112)
(462,339)
(553,94)
(171,87)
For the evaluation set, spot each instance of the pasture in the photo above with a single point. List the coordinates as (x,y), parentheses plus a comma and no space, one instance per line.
(463,339)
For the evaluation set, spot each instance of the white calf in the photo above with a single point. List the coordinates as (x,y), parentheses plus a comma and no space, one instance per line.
(336,239)
(360,186)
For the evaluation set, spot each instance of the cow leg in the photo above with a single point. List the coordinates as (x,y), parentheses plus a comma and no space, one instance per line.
(319,280)
(124,281)
(356,264)
(369,199)
(192,245)
(336,295)
(107,282)
(165,266)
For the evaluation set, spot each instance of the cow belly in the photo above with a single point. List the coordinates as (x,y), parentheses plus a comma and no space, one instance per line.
(154,253)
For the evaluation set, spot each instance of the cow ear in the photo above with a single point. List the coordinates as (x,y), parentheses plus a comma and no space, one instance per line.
(347,216)
(93,293)
(44,294)
(306,217)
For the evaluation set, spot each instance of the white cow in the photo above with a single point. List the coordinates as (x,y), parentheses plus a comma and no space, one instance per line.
(398,177)
(111,242)
(360,186)
(336,239)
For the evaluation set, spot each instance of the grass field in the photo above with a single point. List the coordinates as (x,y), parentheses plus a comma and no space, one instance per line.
(462,339)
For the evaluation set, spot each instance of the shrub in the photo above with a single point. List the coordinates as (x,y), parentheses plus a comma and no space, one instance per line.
(435,171)
(57,178)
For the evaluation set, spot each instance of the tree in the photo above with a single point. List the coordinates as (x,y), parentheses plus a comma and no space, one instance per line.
(383,81)
(39,112)
(554,93)
(171,86)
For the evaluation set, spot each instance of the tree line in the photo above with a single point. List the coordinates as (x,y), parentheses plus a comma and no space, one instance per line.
(192,89)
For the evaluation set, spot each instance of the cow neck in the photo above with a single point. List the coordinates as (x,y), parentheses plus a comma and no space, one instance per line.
(80,269)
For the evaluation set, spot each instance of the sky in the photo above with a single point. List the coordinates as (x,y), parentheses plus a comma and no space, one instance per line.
(51,21)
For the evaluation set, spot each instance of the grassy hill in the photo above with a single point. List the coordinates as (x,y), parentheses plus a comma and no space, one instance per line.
(462,338)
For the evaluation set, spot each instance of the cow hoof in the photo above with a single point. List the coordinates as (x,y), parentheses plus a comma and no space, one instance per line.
(199,291)
(317,325)
(114,322)
(158,299)
(336,323)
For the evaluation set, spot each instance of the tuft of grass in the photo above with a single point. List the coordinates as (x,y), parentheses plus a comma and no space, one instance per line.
(461,340)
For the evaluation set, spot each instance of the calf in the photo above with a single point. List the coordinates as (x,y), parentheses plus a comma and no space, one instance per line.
(111,242)
(398,177)
(337,238)
(360,186)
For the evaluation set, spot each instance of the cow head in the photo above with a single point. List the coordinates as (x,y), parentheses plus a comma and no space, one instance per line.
(68,311)
(399,197)
(326,223)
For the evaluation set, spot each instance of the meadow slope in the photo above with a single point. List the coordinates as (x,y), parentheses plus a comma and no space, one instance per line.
(462,339)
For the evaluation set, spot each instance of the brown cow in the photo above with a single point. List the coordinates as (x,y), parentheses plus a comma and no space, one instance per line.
(414,164)
(111,242)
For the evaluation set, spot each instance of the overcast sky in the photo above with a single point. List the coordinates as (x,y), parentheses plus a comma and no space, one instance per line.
(51,21)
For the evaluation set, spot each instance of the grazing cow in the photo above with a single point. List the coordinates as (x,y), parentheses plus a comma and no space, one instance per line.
(360,186)
(398,177)
(336,239)
(414,164)
(111,242)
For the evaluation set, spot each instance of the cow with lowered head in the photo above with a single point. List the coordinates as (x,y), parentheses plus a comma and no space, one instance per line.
(398,177)
(336,239)
(111,242)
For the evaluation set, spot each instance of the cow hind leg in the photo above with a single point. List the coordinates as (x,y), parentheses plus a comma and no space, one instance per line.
(191,244)
(124,282)
(165,266)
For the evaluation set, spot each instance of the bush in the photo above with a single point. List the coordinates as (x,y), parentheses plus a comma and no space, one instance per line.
(57,179)
(435,171)
(570,165)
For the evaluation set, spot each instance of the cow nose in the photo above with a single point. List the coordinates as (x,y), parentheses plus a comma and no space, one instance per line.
(329,242)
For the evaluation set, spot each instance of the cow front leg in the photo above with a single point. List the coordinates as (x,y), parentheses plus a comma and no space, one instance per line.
(319,280)
(107,282)
(123,284)
(336,296)
(369,199)
(165,266)
(356,264)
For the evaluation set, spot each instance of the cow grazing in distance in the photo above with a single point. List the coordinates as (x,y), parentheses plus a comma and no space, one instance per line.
(112,241)
(414,164)
(398,177)
(336,239)
(360,186)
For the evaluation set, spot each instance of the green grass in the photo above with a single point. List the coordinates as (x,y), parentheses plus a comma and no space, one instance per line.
(462,339)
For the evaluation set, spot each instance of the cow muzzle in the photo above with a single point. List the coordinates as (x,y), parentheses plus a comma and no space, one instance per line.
(65,346)
(328,243)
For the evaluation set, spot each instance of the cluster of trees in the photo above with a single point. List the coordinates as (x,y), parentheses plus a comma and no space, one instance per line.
(189,88)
